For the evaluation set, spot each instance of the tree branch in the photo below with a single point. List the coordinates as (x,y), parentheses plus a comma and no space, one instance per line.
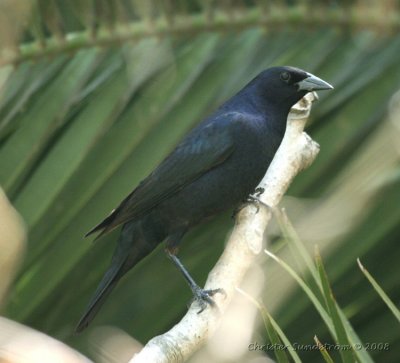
(296,153)
(19,343)
(12,244)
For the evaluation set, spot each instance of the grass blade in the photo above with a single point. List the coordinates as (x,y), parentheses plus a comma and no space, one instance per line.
(380,291)
(341,334)
(275,333)
(320,308)
(323,350)
(295,244)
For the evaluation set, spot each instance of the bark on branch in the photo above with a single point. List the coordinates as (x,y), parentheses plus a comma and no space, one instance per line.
(296,153)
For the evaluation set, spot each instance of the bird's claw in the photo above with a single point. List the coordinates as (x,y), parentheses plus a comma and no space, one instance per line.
(254,198)
(204,297)
(258,191)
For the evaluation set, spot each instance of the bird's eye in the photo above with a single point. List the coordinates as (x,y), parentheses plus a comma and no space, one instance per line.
(285,76)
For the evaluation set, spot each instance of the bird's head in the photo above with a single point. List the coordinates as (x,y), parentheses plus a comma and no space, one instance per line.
(287,85)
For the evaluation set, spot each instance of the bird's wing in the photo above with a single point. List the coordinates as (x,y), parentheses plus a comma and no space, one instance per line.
(203,149)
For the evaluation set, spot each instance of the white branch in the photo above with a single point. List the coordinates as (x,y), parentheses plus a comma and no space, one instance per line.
(296,153)
(12,244)
(21,344)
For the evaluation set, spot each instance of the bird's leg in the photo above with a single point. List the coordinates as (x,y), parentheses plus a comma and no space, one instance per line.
(203,297)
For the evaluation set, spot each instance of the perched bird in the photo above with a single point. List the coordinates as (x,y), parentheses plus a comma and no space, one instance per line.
(214,168)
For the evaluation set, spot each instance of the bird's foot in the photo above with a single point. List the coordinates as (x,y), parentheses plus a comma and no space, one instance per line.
(204,297)
(258,192)
(252,199)
(255,199)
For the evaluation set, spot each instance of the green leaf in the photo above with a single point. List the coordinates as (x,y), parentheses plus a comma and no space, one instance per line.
(320,308)
(379,290)
(323,351)
(297,247)
(274,332)
(24,146)
(341,334)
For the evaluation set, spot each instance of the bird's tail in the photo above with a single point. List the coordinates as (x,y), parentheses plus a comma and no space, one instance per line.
(105,287)
(136,241)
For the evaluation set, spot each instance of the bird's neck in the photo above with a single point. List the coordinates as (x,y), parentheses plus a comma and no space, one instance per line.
(256,102)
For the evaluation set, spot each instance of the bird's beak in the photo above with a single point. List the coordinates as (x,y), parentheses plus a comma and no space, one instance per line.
(312,83)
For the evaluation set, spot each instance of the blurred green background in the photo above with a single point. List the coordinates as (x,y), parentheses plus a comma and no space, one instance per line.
(95,93)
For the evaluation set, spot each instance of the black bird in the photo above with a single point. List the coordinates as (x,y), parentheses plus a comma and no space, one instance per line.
(215,167)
